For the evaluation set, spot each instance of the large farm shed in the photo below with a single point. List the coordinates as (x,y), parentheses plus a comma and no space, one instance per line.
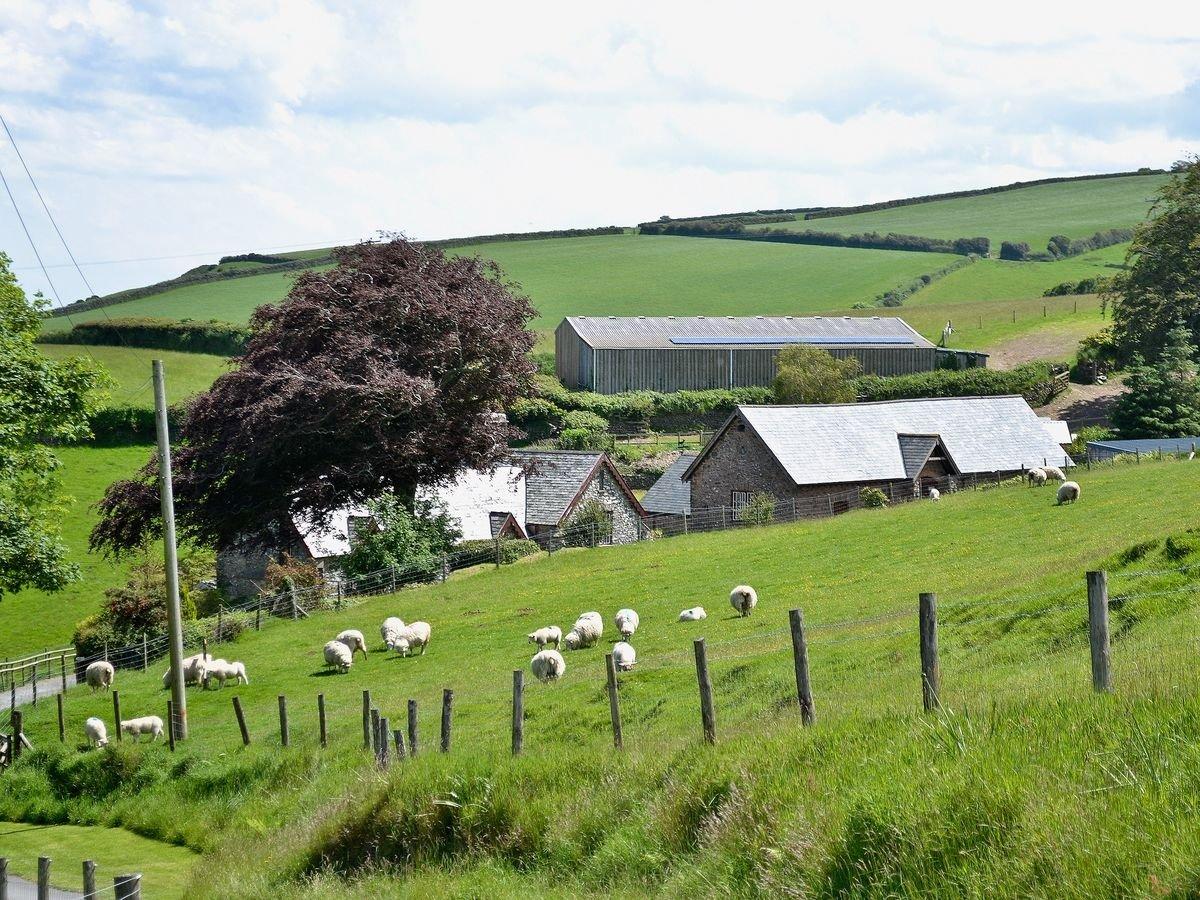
(675,353)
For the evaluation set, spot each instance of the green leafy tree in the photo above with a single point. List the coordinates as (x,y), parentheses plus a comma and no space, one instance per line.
(42,402)
(413,540)
(1161,285)
(1163,399)
(808,375)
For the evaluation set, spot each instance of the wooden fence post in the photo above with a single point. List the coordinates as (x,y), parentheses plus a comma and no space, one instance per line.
(62,721)
(375,731)
(366,720)
(930,671)
(117,712)
(34,684)
(708,716)
(614,704)
(284,734)
(412,727)
(497,551)
(292,596)
(384,731)
(127,887)
(62,665)
(800,658)
(145,653)
(447,711)
(258,614)
(171,725)
(398,738)
(204,649)
(218,637)
(321,720)
(1097,588)
(14,744)
(89,879)
(3,878)
(518,711)
(43,884)
(241,720)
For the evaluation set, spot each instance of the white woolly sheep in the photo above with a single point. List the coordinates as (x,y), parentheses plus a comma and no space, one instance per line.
(1036,476)
(99,675)
(338,655)
(222,671)
(743,599)
(353,638)
(390,631)
(551,634)
(415,635)
(935,495)
(1054,473)
(151,725)
(96,731)
(695,614)
(548,665)
(626,621)
(624,656)
(1068,492)
(194,668)
(586,631)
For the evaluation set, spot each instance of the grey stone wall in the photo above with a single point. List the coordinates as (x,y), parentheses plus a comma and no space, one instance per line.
(739,461)
(241,571)
(605,489)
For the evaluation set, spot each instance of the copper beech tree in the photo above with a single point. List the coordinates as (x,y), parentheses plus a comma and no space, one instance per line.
(384,373)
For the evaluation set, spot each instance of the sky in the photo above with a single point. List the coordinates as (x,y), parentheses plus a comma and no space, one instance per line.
(165,134)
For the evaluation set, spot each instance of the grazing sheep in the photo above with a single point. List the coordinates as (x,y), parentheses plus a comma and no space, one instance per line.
(97,731)
(1036,476)
(935,495)
(338,655)
(695,614)
(151,725)
(1068,492)
(551,634)
(743,599)
(624,656)
(390,631)
(587,629)
(353,638)
(548,665)
(99,675)
(223,671)
(626,621)
(1054,473)
(194,668)
(415,635)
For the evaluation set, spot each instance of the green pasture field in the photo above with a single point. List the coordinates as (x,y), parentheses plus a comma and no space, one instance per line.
(129,368)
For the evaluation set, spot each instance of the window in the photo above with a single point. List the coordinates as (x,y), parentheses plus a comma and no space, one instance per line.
(739,500)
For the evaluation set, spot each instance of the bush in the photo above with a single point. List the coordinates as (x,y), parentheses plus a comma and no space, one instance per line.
(872,498)
(1027,380)
(1014,250)
(301,574)
(113,425)
(896,296)
(1078,445)
(760,510)
(812,375)
(1083,286)
(413,540)
(221,338)
(591,525)
(511,549)
(584,430)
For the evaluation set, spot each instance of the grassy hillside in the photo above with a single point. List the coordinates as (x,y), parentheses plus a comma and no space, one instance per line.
(1017,784)
(1077,209)
(186,373)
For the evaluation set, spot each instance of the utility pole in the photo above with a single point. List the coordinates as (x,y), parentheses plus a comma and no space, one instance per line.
(167,494)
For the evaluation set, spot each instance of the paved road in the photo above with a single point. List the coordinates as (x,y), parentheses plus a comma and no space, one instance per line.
(46,689)
(20,889)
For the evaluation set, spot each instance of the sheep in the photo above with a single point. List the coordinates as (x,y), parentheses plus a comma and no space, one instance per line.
(223,671)
(194,668)
(587,629)
(151,725)
(1054,473)
(551,634)
(390,631)
(97,732)
(338,655)
(548,665)
(935,495)
(1068,492)
(695,614)
(99,675)
(743,599)
(1036,476)
(626,621)
(353,638)
(624,656)
(415,635)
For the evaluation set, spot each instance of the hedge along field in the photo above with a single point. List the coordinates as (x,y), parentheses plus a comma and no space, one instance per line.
(1033,214)
(186,373)
(670,813)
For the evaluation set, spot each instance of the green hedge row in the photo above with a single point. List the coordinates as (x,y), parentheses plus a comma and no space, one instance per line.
(116,425)
(221,338)
(526,236)
(1030,380)
(511,549)
(871,240)
(897,296)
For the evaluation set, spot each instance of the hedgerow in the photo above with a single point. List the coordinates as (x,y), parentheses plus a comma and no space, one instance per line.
(187,335)
(871,240)
(1030,379)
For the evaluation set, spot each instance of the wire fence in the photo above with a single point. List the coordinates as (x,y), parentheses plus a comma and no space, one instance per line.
(45,882)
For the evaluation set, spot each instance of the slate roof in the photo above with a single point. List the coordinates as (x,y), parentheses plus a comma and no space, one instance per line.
(856,442)
(1105,449)
(671,494)
(473,496)
(915,450)
(641,332)
(553,479)
(1059,431)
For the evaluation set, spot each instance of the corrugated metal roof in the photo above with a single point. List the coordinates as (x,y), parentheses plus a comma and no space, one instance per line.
(610,333)
(671,494)
(553,479)
(853,442)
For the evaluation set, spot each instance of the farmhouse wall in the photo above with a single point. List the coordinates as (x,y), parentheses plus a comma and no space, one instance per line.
(605,489)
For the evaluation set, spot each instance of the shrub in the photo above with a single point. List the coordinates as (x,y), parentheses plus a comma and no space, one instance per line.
(1014,250)
(584,439)
(760,510)
(872,498)
(811,375)
(591,525)
(1078,445)
(1028,379)
(300,573)
(113,425)
(221,338)
(413,540)
(511,549)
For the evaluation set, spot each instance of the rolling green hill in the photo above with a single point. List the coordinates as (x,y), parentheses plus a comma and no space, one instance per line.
(1025,775)
(186,373)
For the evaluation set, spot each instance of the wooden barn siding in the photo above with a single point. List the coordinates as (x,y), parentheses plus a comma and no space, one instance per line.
(568,358)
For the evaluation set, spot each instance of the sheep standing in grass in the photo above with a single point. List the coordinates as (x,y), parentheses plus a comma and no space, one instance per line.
(1068,492)
(194,668)
(1036,476)
(743,599)
(390,631)
(338,655)
(935,495)
(353,638)
(548,665)
(1054,473)
(99,675)
(96,731)
(551,634)
(587,629)
(626,621)
(223,671)
(624,656)
(415,635)
(695,614)
(151,725)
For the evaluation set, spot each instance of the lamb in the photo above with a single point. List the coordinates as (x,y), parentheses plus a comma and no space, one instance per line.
(695,614)
(1068,492)
(624,656)
(223,671)
(587,629)
(1054,473)
(390,631)
(626,621)
(338,655)
(194,668)
(99,675)
(97,732)
(353,638)
(935,495)
(743,599)
(151,725)
(1036,476)
(548,665)
(415,635)
(551,634)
